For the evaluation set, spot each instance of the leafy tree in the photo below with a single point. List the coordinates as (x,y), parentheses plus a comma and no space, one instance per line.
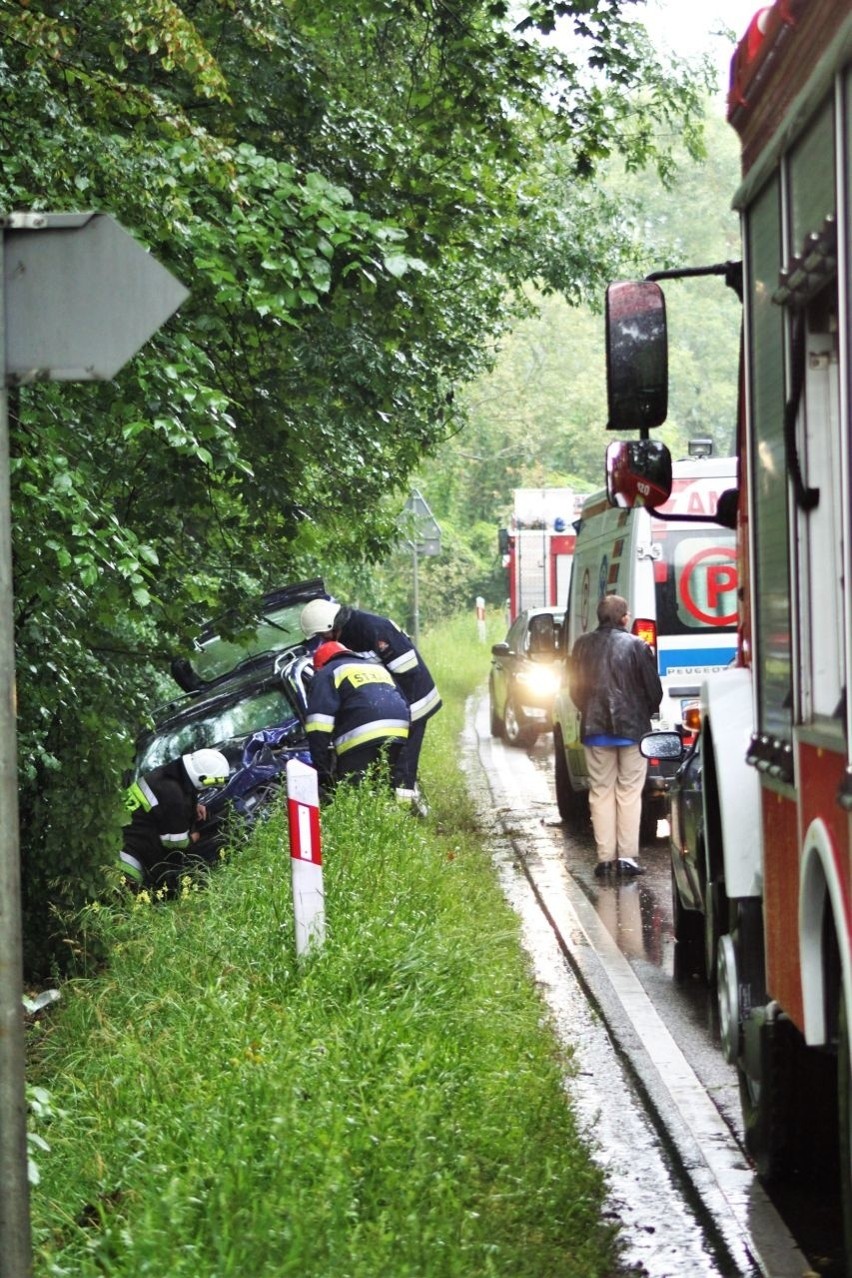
(538,417)
(356,195)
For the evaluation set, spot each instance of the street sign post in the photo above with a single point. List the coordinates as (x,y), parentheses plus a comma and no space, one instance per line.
(79,297)
(423,535)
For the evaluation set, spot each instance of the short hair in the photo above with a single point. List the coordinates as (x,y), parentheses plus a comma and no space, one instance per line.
(612,610)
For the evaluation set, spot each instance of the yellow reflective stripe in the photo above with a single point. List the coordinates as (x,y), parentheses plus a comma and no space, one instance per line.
(131,867)
(405,662)
(362,673)
(323,723)
(352,739)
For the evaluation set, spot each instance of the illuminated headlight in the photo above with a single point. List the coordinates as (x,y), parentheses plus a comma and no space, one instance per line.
(541,680)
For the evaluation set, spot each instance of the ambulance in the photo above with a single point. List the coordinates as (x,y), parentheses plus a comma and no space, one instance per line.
(679,577)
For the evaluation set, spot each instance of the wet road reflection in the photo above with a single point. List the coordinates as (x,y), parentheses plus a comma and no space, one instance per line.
(638,916)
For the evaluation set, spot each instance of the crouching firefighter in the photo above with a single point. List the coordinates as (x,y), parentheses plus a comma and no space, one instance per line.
(356,715)
(164,810)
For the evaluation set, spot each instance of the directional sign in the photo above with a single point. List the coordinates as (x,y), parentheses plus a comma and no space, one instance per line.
(81,296)
(421,525)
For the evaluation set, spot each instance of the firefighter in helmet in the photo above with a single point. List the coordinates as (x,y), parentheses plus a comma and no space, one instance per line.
(163,811)
(356,715)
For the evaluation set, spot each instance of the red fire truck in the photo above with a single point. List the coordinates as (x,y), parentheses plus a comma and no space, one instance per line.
(776,735)
(538,547)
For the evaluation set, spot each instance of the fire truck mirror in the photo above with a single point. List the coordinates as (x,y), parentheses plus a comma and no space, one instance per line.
(636,355)
(638,473)
(503,540)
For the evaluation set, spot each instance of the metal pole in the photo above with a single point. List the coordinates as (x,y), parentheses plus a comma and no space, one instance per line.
(416,608)
(16,1246)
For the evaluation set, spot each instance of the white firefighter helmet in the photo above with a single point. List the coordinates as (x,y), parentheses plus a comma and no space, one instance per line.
(318,617)
(206,767)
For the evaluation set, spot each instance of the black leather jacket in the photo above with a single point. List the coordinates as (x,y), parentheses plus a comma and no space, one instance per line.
(614,683)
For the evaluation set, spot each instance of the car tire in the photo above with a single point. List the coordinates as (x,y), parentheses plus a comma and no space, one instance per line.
(516,733)
(689,939)
(648,822)
(573,804)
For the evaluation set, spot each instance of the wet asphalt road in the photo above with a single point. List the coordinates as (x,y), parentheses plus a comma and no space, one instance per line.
(652,1091)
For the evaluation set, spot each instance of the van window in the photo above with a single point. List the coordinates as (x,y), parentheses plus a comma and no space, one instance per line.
(695,579)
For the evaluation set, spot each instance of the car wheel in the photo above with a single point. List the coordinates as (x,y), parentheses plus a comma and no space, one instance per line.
(516,733)
(648,822)
(689,939)
(496,721)
(573,804)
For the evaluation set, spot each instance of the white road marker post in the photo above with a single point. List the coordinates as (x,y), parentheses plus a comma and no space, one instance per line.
(305,855)
(480,618)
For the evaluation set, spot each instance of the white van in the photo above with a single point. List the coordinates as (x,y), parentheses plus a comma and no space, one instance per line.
(680,583)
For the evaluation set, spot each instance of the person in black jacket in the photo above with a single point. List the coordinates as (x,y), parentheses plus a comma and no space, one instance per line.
(615,685)
(163,809)
(356,714)
(369,633)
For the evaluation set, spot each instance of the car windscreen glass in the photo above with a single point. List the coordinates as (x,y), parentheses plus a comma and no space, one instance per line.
(277,629)
(217,726)
(695,578)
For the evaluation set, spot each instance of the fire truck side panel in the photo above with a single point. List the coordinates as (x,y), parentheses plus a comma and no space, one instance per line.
(781,901)
(824,882)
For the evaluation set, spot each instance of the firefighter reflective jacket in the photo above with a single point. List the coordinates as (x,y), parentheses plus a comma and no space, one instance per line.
(353,701)
(367,632)
(161,806)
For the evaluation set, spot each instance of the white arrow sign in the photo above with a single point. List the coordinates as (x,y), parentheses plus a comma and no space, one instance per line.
(81,296)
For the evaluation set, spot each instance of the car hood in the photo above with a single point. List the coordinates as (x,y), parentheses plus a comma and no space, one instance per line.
(271,625)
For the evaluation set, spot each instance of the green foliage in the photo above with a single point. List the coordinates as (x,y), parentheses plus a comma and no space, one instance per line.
(356,195)
(394,1105)
(538,417)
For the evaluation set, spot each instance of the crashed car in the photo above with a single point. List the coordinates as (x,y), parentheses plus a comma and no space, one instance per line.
(247,697)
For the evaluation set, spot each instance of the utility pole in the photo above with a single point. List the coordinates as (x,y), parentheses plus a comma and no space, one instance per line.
(78,297)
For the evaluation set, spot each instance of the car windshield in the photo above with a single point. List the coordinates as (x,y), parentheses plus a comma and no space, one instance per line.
(216,727)
(276,629)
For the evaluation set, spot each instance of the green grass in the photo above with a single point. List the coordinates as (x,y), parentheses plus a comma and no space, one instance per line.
(394,1106)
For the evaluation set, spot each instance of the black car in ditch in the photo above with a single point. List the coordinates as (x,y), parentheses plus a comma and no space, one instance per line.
(245,693)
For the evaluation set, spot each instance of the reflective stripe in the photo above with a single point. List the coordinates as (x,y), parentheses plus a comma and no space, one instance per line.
(175,840)
(139,795)
(403,663)
(363,672)
(425,704)
(132,868)
(375,731)
(320,722)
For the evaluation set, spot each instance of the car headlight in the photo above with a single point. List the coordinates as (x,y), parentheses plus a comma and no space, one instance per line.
(539,679)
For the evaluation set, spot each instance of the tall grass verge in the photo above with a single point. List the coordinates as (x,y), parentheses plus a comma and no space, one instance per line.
(394,1105)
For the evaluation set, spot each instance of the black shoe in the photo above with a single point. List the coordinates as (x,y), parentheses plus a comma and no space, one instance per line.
(603,869)
(627,868)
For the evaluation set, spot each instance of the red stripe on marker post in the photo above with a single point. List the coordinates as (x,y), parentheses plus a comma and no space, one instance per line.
(305,855)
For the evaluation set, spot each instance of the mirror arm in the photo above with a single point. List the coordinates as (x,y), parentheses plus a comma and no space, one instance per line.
(732,271)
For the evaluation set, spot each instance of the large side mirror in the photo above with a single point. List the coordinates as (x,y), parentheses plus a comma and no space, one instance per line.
(636,355)
(638,473)
(503,541)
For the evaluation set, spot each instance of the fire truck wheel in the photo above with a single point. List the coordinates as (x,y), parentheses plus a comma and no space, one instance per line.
(573,804)
(763,1064)
(689,939)
(844,1095)
(516,733)
(716,912)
